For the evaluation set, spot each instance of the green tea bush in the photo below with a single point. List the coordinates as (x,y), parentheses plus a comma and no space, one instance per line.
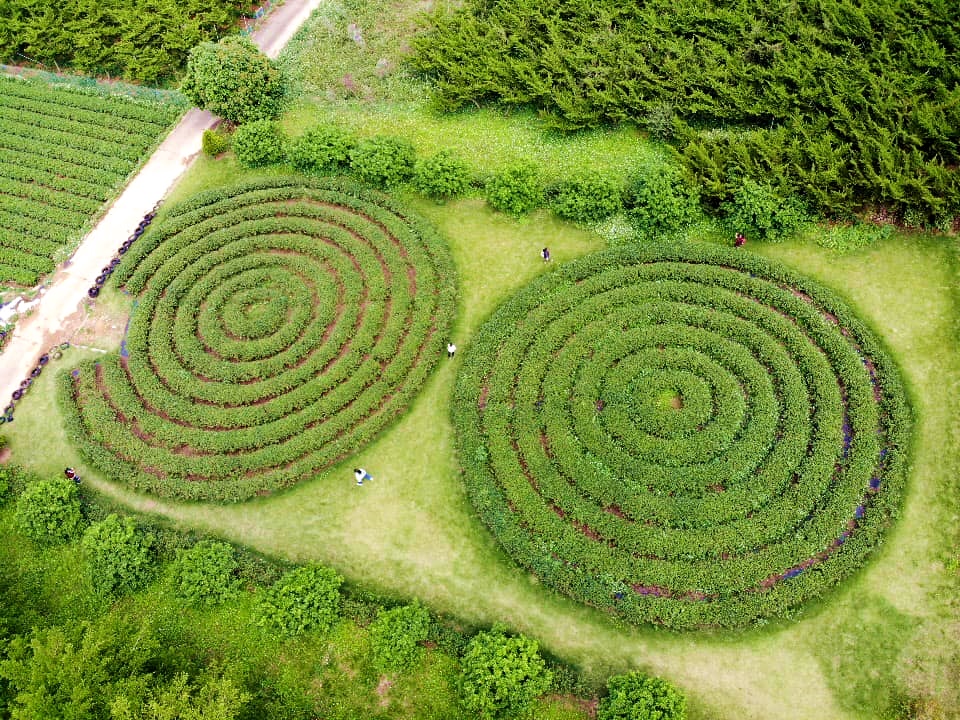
(588,197)
(759,211)
(322,149)
(48,512)
(441,176)
(396,636)
(215,142)
(659,200)
(515,190)
(119,557)
(682,434)
(206,574)
(259,143)
(234,80)
(383,161)
(303,600)
(501,676)
(638,697)
(300,317)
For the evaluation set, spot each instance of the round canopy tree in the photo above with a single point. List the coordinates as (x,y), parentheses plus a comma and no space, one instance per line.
(234,80)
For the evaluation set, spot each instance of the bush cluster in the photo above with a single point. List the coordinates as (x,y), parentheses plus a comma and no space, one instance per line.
(441,176)
(215,142)
(259,143)
(758,210)
(383,161)
(49,513)
(639,697)
(281,354)
(516,190)
(659,200)
(322,149)
(206,574)
(684,435)
(306,599)
(119,557)
(588,197)
(396,636)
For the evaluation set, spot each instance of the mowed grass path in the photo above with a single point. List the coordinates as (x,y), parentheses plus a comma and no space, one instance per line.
(412,533)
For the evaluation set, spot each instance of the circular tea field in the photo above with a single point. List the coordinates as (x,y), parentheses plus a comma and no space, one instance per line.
(687,435)
(279,325)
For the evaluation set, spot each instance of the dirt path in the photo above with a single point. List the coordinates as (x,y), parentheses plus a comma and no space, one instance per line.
(61,307)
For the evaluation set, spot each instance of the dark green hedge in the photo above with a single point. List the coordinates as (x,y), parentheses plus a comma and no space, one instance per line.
(683,435)
(281,325)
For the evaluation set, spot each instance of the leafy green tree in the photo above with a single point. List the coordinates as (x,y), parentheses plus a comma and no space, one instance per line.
(259,143)
(396,635)
(206,573)
(638,697)
(587,197)
(49,512)
(383,161)
(659,200)
(305,599)
(500,675)
(322,149)
(759,211)
(441,176)
(234,80)
(119,556)
(515,190)
(214,698)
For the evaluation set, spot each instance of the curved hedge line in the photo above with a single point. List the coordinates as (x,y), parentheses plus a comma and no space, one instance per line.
(686,435)
(280,324)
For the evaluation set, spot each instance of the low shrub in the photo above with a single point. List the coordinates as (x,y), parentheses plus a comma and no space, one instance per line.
(759,211)
(259,143)
(396,636)
(206,574)
(638,697)
(215,142)
(119,556)
(588,197)
(659,200)
(303,600)
(847,238)
(501,676)
(322,149)
(516,190)
(441,176)
(48,512)
(383,161)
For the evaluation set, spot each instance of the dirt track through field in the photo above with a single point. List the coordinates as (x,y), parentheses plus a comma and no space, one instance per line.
(62,305)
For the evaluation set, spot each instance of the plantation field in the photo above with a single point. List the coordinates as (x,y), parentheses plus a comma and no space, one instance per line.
(64,152)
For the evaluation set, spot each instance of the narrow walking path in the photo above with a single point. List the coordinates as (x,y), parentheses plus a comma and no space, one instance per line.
(65,298)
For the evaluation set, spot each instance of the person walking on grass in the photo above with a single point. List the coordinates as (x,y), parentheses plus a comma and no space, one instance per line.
(360,474)
(545,254)
(739,240)
(451,349)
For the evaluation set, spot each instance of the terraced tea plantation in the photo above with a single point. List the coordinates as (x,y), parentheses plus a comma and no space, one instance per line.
(64,151)
(279,326)
(684,436)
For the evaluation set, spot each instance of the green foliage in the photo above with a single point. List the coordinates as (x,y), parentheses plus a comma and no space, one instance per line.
(259,143)
(215,142)
(48,512)
(588,197)
(6,479)
(326,305)
(515,190)
(322,149)
(383,161)
(119,556)
(759,211)
(206,574)
(303,600)
(441,176)
(501,676)
(659,200)
(64,151)
(638,697)
(651,430)
(112,37)
(843,105)
(215,698)
(233,79)
(396,636)
(848,237)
